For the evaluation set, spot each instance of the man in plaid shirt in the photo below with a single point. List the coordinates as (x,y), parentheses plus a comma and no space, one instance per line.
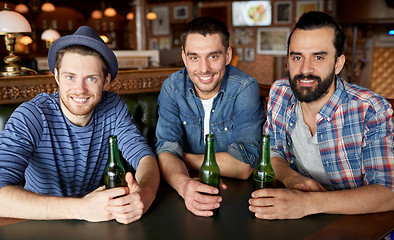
(326,134)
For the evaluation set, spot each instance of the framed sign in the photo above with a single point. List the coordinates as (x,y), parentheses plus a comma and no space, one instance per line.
(307,6)
(272,41)
(282,13)
(249,55)
(181,12)
(161,25)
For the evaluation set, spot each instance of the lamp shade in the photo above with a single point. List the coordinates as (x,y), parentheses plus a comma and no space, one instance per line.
(97,14)
(151,16)
(48,7)
(21,8)
(130,16)
(50,35)
(110,12)
(13,22)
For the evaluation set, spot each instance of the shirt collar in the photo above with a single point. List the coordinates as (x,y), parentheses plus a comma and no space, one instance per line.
(329,109)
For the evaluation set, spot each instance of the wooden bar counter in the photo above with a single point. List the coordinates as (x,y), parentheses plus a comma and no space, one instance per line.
(168,218)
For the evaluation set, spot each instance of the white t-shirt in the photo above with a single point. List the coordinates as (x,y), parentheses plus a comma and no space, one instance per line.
(207,104)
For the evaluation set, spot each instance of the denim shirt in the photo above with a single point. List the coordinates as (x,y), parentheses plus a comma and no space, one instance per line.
(236,117)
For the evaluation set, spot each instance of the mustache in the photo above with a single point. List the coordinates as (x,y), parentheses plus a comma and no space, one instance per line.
(309,76)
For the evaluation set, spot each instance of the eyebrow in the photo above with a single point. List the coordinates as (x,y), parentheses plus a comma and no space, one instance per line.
(315,53)
(210,53)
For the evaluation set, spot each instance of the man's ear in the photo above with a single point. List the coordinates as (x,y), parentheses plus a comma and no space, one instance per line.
(339,64)
(184,57)
(229,55)
(56,73)
(107,81)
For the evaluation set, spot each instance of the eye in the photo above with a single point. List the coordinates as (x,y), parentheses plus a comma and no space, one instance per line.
(213,57)
(91,79)
(69,77)
(194,58)
(319,58)
(296,58)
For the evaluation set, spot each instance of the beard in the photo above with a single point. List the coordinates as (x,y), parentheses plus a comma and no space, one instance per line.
(310,94)
(78,111)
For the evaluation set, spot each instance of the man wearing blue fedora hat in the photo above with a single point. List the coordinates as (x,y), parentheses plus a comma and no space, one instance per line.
(57,143)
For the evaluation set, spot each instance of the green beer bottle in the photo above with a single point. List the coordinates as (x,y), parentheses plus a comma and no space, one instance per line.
(263,173)
(209,171)
(114,175)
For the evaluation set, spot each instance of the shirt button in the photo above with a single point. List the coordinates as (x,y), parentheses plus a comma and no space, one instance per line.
(291,124)
(184,122)
(213,110)
(225,129)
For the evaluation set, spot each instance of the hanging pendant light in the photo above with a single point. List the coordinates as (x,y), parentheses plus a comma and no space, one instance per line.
(97,14)
(48,7)
(110,12)
(151,16)
(21,8)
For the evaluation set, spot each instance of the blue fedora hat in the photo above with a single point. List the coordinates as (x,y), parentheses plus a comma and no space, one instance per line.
(84,36)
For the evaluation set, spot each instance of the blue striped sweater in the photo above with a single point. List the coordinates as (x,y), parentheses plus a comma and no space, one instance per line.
(58,158)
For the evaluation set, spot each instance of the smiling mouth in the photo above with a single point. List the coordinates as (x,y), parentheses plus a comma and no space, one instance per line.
(205,79)
(80,99)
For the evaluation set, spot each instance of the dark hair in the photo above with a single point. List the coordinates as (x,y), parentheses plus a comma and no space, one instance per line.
(84,51)
(205,26)
(314,20)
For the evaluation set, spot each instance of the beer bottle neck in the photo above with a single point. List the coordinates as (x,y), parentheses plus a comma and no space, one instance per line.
(209,156)
(265,154)
(113,152)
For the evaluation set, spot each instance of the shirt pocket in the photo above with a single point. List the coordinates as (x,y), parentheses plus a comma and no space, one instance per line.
(223,131)
(192,128)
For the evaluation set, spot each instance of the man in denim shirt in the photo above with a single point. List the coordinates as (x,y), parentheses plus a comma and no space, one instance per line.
(208,96)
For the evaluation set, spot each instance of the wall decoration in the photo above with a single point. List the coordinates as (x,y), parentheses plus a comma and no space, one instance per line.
(181,12)
(282,13)
(249,55)
(251,13)
(164,43)
(243,35)
(306,6)
(239,52)
(161,25)
(153,44)
(272,41)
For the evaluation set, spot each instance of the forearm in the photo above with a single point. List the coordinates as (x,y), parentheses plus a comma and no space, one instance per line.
(16,202)
(229,166)
(365,199)
(174,171)
(282,170)
(148,176)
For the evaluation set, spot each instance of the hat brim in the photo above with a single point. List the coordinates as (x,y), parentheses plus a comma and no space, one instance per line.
(97,45)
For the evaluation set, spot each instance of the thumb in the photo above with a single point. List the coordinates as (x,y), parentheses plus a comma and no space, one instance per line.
(131,183)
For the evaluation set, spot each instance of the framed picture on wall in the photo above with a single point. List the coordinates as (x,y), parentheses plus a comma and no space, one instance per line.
(308,5)
(282,13)
(161,25)
(249,55)
(164,43)
(272,41)
(181,12)
(243,35)
(240,53)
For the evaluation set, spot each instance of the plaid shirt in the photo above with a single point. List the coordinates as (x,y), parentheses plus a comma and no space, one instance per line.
(355,131)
